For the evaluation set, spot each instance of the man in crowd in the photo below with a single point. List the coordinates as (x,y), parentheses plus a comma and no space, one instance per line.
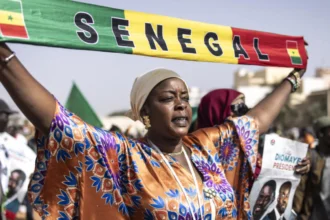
(312,198)
(282,202)
(321,206)
(265,199)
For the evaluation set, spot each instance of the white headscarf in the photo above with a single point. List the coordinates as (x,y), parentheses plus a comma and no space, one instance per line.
(142,87)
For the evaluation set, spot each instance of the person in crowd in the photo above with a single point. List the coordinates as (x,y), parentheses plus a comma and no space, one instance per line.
(5,112)
(220,104)
(88,173)
(282,203)
(12,204)
(307,136)
(312,198)
(265,198)
(216,106)
(16,132)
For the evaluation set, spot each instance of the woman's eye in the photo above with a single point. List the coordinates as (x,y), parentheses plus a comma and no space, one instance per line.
(186,99)
(166,99)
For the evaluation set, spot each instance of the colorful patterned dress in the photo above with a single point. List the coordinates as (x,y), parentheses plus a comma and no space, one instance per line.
(83,172)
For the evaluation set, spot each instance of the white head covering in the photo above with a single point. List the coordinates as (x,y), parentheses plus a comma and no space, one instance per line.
(142,87)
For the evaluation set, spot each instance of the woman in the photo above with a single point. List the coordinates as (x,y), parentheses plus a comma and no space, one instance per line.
(87,173)
(218,105)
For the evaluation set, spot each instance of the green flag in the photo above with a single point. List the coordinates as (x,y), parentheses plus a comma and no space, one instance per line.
(78,104)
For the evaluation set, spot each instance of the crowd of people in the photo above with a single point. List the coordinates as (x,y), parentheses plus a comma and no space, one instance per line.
(178,170)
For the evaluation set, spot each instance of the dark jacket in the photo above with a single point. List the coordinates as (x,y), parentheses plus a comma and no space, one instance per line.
(308,190)
(271,216)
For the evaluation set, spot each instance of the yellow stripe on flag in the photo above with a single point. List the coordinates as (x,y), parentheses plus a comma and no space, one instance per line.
(170,27)
(293,52)
(11,18)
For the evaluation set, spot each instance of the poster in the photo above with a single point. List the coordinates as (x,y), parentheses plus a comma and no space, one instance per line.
(273,191)
(16,170)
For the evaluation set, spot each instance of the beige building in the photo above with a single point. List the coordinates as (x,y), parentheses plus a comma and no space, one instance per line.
(265,77)
(256,85)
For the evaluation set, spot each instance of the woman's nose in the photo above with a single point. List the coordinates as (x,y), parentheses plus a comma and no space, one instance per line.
(180,104)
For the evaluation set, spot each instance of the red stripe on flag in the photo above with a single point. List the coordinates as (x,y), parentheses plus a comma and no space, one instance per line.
(291,45)
(13,31)
(273,45)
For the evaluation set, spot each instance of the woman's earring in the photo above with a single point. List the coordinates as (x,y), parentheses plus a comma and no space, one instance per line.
(146,121)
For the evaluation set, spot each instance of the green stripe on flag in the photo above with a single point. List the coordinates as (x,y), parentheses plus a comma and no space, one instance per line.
(9,5)
(296,60)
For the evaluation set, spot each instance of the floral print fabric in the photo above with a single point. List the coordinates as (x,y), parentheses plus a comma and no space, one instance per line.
(83,172)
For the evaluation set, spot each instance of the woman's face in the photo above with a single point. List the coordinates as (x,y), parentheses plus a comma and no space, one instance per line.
(168,109)
(239,99)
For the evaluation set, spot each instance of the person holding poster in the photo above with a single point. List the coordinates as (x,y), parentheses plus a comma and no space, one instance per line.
(216,106)
(16,162)
(312,199)
(87,173)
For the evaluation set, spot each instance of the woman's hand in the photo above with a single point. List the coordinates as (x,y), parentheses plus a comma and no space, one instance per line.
(303,167)
(302,71)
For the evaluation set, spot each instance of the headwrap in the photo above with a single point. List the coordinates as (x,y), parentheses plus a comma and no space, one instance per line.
(142,87)
(215,107)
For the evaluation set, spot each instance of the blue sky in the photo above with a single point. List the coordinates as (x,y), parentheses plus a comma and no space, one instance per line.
(106,78)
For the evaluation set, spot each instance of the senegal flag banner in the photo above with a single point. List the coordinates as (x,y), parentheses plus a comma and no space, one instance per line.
(68,24)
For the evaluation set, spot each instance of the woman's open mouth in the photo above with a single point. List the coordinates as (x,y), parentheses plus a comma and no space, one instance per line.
(180,121)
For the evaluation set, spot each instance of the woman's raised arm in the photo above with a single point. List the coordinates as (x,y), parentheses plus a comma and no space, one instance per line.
(269,108)
(37,104)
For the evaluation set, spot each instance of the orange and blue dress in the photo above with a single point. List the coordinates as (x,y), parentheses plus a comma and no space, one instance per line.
(84,172)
